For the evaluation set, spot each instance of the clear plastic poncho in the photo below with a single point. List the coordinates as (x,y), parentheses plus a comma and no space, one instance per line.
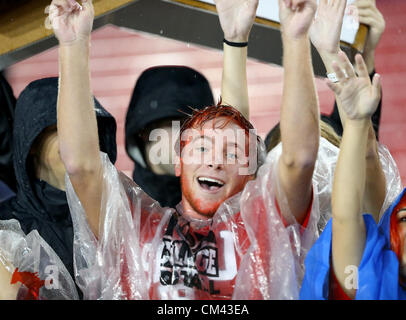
(246,251)
(285,248)
(29,257)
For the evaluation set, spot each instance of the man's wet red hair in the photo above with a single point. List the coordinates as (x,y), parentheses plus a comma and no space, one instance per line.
(394,235)
(395,241)
(200,117)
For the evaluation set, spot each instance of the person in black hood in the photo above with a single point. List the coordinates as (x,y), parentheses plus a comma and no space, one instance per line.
(7,105)
(40,203)
(161,95)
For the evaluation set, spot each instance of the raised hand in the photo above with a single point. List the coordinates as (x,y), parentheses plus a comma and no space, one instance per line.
(236,18)
(326,29)
(358,96)
(70,20)
(296,16)
(370,15)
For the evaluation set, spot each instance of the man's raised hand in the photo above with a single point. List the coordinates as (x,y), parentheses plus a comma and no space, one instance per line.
(236,18)
(358,95)
(70,20)
(326,28)
(296,16)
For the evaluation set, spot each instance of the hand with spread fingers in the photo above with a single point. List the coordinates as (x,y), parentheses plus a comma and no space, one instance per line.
(326,28)
(236,18)
(358,95)
(70,20)
(296,17)
(370,15)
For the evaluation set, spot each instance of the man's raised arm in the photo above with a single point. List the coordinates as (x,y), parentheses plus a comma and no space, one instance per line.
(300,109)
(77,126)
(359,98)
(236,19)
(325,36)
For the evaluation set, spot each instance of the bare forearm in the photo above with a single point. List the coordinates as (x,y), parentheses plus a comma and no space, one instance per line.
(299,127)
(77,129)
(234,89)
(348,238)
(300,109)
(77,126)
(369,57)
(349,177)
(328,58)
(375,185)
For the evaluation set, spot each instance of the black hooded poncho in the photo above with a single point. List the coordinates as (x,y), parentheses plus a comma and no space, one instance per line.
(37,205)
(163,92)
(7,105)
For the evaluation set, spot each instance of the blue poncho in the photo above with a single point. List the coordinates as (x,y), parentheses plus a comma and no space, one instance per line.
(378,273)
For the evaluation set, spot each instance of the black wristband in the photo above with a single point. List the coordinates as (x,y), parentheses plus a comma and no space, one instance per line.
(236,44)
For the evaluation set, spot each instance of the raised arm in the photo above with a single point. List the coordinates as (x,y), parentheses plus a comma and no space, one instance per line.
(300,109)
(325,36)
(375,185)
(77,126)
(359,98)
(370,15)
(236,19)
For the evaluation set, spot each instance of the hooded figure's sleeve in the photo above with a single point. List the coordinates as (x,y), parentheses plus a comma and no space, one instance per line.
(111,267)
(34,265)
(377,277)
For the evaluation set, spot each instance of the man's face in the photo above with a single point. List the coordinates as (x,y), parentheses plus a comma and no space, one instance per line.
(210,166)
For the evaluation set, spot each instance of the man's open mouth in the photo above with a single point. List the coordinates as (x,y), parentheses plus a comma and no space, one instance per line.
(210,184)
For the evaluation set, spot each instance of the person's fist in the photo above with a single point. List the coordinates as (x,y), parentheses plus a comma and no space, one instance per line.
(236,18)
(296,17)
(70,20)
